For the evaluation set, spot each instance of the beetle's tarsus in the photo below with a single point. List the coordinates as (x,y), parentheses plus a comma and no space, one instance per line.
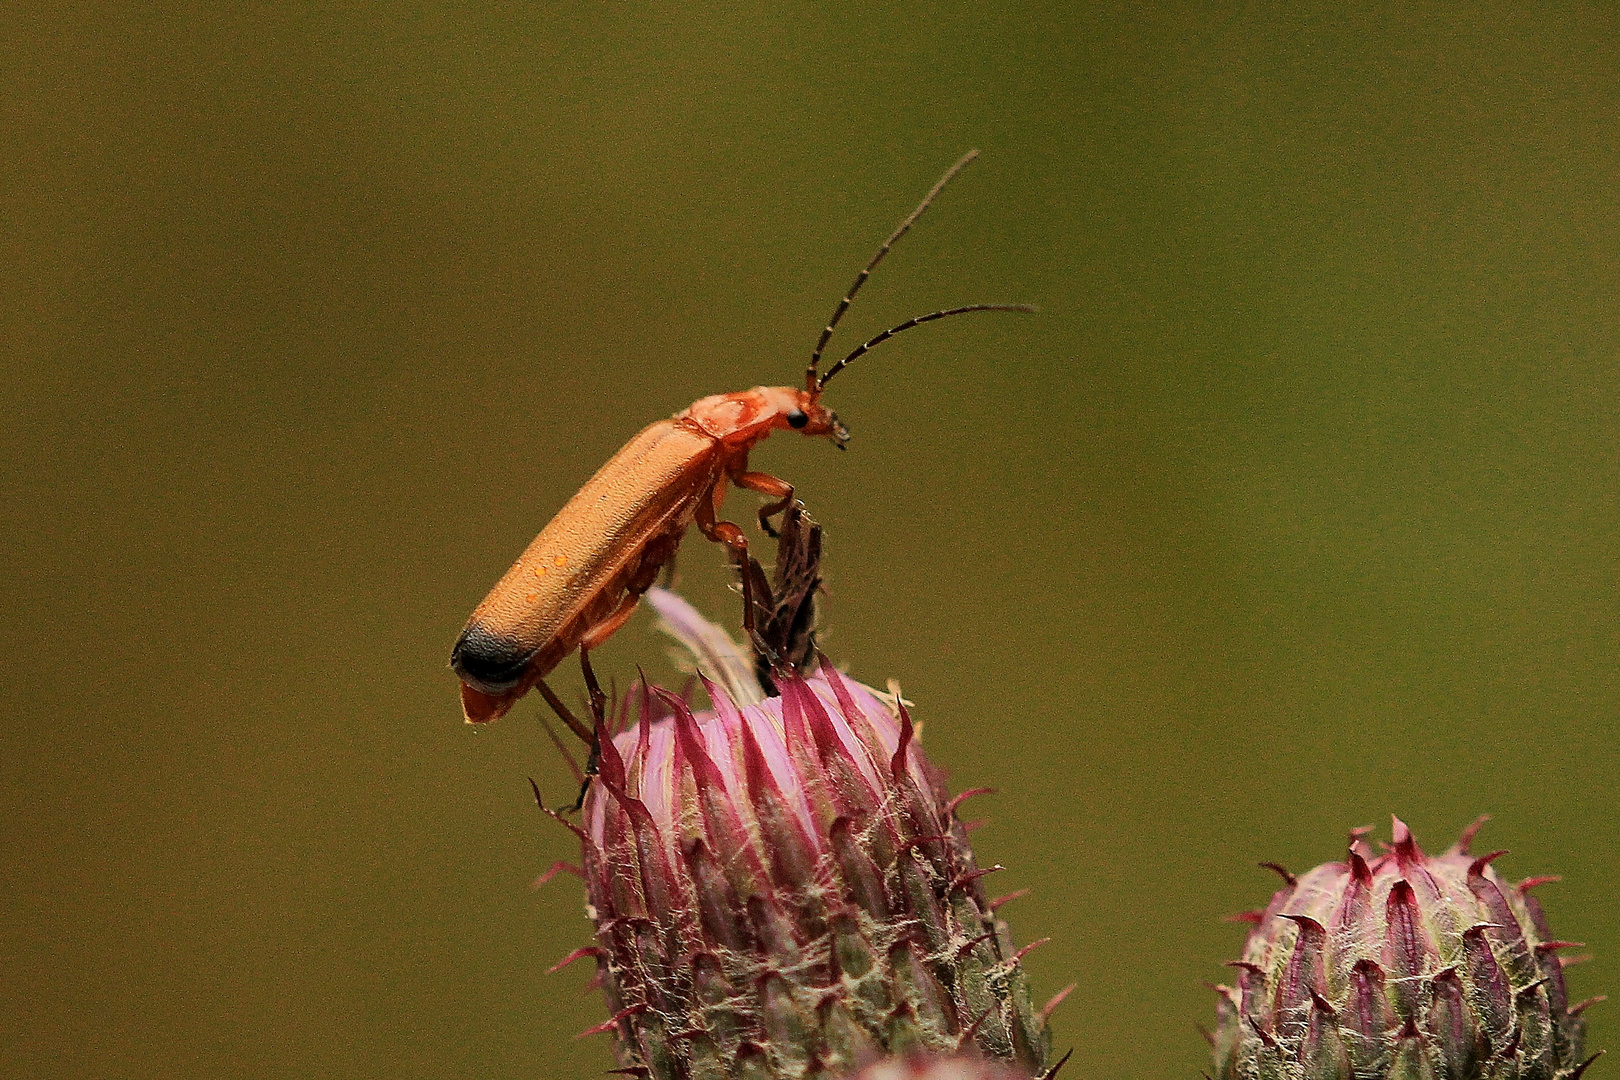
(591,765)
(783,507)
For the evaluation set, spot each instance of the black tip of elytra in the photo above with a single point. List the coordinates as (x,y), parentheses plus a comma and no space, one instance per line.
(490,661)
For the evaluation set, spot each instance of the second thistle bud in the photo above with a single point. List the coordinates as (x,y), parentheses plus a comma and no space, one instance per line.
(1400,965)
(782,889)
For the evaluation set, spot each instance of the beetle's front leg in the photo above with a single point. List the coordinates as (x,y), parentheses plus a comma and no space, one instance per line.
(727,533)
(766,484)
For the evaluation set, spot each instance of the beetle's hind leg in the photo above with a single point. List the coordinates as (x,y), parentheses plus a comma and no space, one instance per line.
(657,553)
(591,734)
(565,714)
(599,702)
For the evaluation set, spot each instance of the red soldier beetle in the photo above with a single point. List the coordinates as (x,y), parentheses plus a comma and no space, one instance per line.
(581,578)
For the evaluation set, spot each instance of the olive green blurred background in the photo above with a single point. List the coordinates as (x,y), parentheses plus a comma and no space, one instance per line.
(1295,506)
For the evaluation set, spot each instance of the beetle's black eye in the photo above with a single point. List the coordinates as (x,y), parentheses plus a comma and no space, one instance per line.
(797,418)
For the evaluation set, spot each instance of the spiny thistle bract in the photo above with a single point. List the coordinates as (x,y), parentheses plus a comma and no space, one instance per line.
(781,889)
(1400,965)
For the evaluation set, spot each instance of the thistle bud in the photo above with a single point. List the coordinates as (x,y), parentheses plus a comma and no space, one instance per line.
(780,887)
(1400,965)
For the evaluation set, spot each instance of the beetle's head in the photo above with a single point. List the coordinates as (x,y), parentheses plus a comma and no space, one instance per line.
(802,411)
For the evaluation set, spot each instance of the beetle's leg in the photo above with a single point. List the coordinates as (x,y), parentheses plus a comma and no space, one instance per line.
(594,637)
(657,552)
(562,748)
(727,533)
(599,716)
(657,558)
(609,626)
(575,724)
(766,484)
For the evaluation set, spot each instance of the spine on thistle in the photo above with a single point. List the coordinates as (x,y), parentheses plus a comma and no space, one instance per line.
(1401,964)
(780,887)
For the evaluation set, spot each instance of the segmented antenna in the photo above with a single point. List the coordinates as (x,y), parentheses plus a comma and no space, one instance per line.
(861,350)
(810,381)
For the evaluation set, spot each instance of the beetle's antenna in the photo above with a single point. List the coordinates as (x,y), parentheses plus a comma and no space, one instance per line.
(811,384)
(1025,309)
